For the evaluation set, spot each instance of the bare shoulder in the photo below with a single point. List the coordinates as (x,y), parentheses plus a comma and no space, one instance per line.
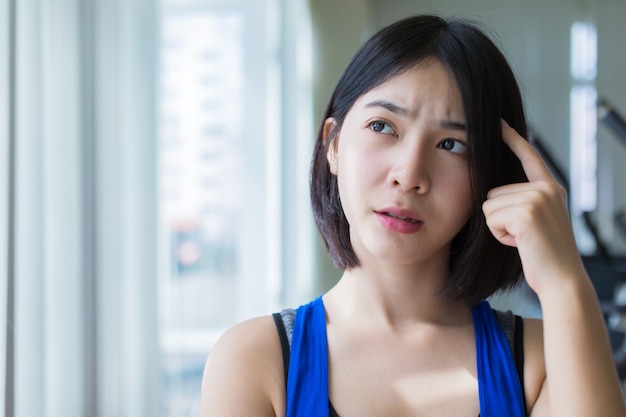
(244,372)
(534,361)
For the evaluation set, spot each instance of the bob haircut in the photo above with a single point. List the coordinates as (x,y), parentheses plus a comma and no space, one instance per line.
(479,264)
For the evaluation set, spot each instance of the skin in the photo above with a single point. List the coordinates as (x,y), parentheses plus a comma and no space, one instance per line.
(389,335)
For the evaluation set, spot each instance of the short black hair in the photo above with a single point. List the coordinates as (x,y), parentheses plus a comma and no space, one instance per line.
(479,264)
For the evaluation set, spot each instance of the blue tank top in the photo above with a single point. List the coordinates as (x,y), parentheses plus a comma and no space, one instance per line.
(499,388)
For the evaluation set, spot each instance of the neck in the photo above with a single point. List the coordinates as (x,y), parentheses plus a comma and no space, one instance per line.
(395,297)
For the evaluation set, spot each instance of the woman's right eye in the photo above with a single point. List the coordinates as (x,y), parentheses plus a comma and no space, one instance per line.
(381,127)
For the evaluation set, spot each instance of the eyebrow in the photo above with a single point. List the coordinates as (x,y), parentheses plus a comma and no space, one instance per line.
(402,111)
(452,125)
(394,108)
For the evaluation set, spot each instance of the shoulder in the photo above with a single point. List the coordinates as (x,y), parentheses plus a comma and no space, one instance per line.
(244,374)
(534,360)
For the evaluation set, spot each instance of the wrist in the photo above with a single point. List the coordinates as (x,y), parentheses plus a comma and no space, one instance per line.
(576,291)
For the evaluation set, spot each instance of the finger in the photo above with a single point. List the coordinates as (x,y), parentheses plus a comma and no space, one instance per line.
(514,200)
(514,188)
(533,165)
(498,220)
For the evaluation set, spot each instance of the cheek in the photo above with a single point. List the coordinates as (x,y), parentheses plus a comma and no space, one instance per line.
(355,178)
(361,159)
(359,172)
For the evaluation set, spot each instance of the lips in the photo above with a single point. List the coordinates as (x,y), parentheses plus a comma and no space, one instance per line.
(395,216)
(400,214)
(399,220)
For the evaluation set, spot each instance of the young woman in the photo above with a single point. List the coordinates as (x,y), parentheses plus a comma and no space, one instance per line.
(428,197)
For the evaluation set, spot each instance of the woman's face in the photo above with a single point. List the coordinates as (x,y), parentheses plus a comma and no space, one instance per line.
(401,163)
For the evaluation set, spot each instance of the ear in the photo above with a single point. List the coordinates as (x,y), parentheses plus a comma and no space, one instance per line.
(331,153)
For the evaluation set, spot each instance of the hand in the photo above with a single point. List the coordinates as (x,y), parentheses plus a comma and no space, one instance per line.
(533,217)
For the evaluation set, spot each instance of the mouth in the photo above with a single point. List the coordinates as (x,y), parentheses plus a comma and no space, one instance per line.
(399,217)
(399,220)
(400,214)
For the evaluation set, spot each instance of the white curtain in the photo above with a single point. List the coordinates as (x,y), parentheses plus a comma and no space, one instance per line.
(85,287)
(84,251)
(6,38)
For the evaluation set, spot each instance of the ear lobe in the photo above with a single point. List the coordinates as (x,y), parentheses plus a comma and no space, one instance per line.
(331,153)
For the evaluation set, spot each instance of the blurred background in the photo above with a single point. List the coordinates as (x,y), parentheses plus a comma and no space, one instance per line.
(154,175)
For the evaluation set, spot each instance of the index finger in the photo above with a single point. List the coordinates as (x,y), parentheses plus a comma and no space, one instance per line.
(533,165)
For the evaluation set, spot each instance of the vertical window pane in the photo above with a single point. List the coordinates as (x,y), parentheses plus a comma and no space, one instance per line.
(584,51)
(584,148)
(583,126)
(201,107)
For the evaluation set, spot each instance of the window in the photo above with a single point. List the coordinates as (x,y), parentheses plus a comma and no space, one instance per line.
(87,167)
(200,174)
(583,127)
(229,96)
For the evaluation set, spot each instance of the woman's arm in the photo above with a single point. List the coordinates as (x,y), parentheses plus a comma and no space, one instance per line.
(580,377)
(577,351)
(244,374)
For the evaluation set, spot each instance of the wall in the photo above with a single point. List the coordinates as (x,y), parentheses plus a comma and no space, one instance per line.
(338,29)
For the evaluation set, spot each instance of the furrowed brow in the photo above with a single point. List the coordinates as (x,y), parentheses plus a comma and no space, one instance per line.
(399,110)
(452,125)
(392,107)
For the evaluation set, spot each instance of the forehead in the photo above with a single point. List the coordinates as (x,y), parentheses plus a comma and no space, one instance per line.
(428,84)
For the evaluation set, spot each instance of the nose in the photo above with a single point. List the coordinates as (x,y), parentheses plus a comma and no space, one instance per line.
(410,170)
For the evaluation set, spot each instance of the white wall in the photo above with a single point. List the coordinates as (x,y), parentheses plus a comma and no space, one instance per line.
(611,18)
(338,29)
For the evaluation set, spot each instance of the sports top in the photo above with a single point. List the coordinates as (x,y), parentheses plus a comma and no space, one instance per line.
(305,354)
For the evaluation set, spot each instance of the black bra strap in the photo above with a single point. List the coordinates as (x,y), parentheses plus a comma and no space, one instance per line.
(513,327)
(284,342)
(518,341)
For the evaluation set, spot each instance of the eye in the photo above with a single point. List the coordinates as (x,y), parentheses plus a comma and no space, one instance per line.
(453,145)
(381,127)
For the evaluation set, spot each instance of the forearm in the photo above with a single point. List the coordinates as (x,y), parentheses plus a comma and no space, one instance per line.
(580,373)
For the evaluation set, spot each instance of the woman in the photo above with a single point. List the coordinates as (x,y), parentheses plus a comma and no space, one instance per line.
(428,197)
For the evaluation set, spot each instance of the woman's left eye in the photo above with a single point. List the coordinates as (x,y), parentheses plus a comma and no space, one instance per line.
(453,145)
(381,127)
